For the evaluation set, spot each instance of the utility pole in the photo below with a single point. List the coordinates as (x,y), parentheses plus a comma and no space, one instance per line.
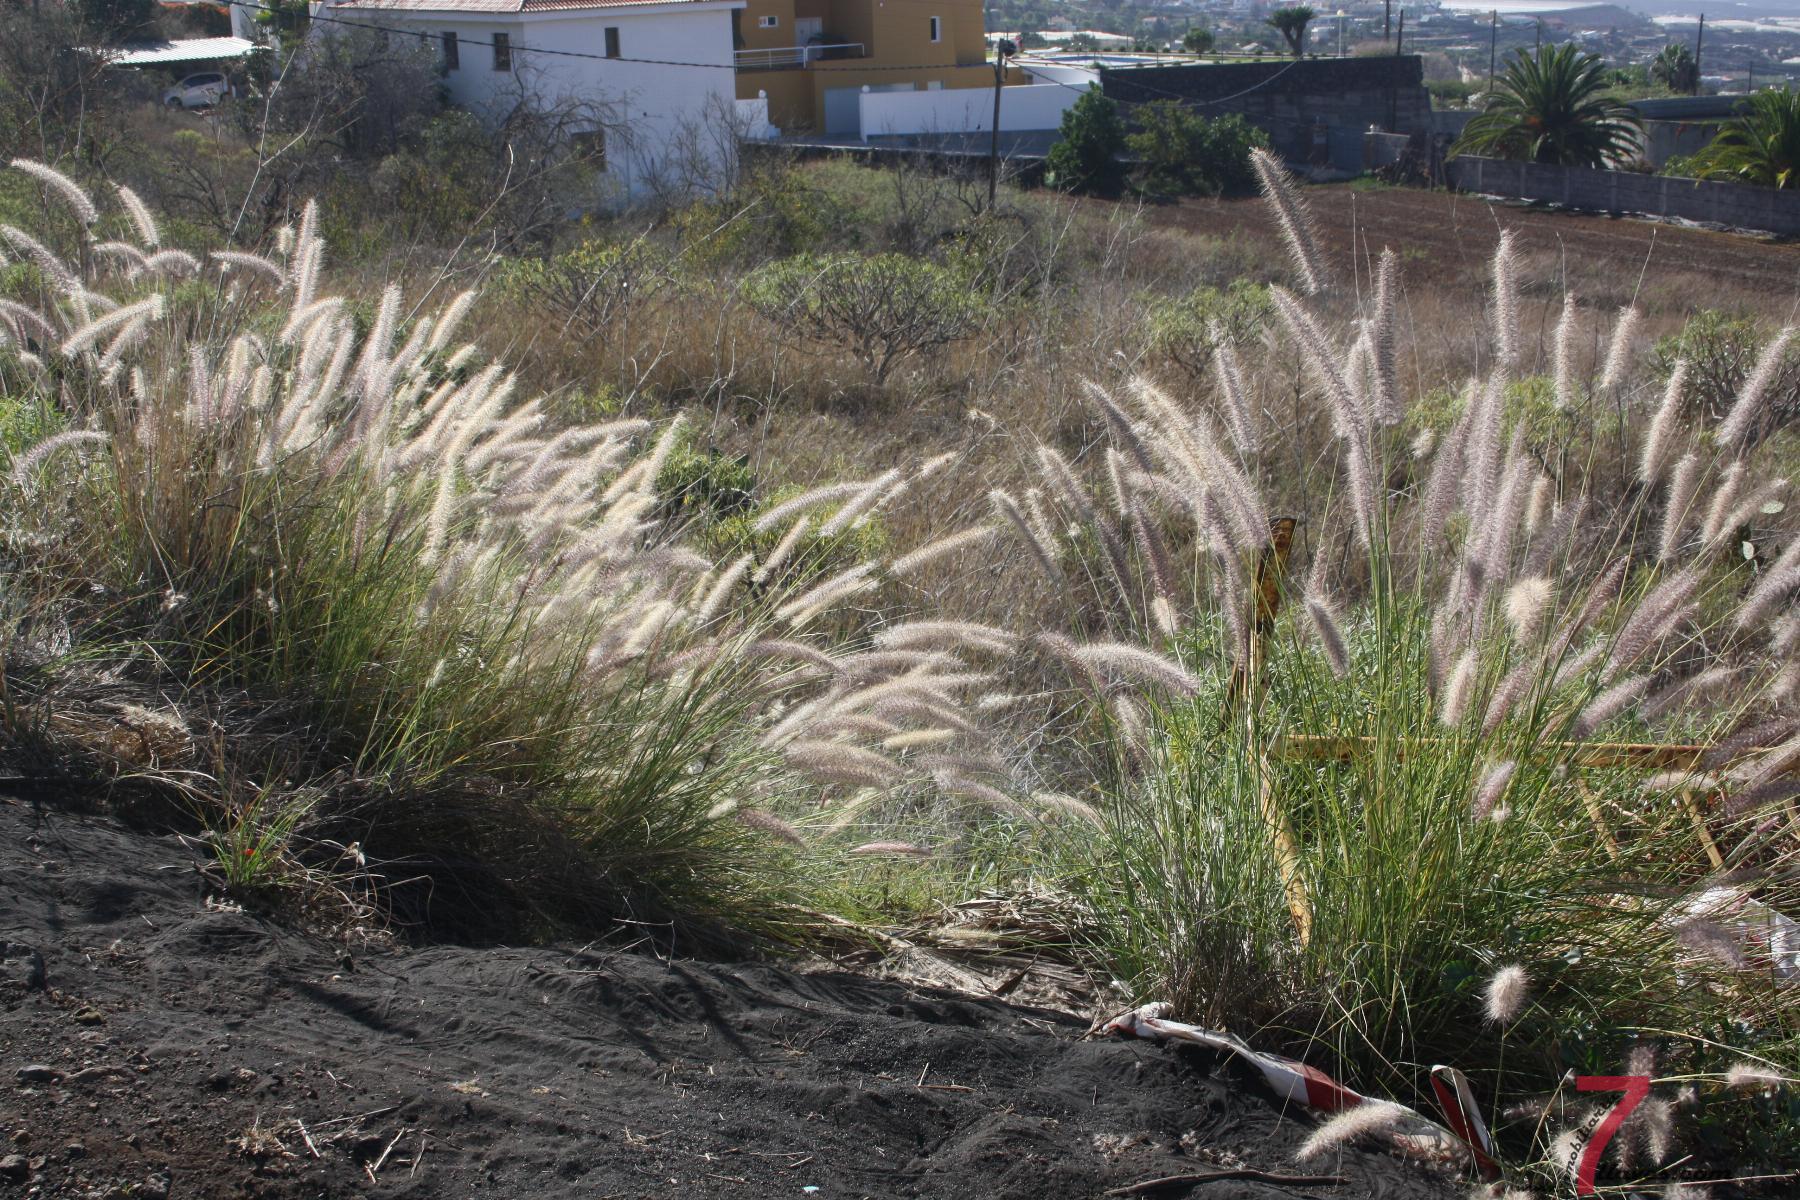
(1002,49)
(1493,49)
(1400,36)
(1540,37)
(1387,15)
(1699,40)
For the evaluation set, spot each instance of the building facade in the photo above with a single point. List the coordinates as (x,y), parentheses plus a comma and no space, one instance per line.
(653,80)
(813,58)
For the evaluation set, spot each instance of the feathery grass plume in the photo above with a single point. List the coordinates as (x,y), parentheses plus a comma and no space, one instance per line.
(1045,556)
(949,635)
(1661,434)
(1527,602)
(25,464)
(1492,789)
(890,849)
(1506,300)
(130,255)
(1618,350)
(70,192)
(255,263)
(25,321)
(450,321)
(141,218)
(1508,991)
(1751,506)
(1678,695)
(953,784)
(784,549)
(1059,802)
(1608,704)
(1459,690)
(773,517)
(839,762)
(1682,485)
(1234,398)
(764,821)
(1539,503)
(1511,689)
(61,277)
(862,503)
(1135,662)
(942,547)
(1752,398)
(784,648)
(1063,482)
(1390,407)
(1151,550)
(1443,486)
(1649,621)
(919,737)
(1782,577)
(1745,1074)
(1124,430)
(832,592)
(1370,1118)
(1331,639)
(1562,354)
(172,262)
(1321,361)
(93,331)
(1722,505)
(1293,219)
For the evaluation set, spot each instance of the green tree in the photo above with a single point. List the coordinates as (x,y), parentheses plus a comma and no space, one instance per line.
(1674,67)
(1198,41)
(1551,107)
(1291,23)
(1185,154)
(1085,157)
(1761,147)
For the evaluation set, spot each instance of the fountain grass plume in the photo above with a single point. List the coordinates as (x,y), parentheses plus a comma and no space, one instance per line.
(1293,219)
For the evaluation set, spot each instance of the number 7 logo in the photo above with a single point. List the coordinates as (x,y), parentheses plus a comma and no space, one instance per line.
(1635,1087)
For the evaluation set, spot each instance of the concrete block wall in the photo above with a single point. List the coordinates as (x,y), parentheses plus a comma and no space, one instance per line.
(1737,205)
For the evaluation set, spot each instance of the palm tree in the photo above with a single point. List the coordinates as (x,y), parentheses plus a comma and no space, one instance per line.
(1762,146)
(1551,107)
(1674,67)
(1292,23)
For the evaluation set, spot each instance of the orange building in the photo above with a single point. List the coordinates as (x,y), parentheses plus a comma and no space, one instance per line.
(812,57)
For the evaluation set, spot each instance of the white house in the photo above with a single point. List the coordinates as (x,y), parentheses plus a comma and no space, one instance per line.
(657,76)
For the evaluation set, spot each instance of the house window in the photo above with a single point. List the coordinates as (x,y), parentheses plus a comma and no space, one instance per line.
(452,55)
(612,41)
(937,29)
(767,22)
(502,52)
(590,148)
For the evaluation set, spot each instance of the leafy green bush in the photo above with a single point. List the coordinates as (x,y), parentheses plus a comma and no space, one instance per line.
(882,309)
(1183,331)
(1085,156)
(1184,154)
(592,288)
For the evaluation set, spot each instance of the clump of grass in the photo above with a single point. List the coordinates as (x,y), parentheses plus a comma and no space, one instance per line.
(1355,827)
(483,645)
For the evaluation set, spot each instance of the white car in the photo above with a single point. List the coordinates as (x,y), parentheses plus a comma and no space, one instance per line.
(198,91)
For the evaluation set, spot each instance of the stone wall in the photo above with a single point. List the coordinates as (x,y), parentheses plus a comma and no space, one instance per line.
(1297,101)
(1736,205)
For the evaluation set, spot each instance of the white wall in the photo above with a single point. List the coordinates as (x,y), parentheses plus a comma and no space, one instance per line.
(965,110)
(663,122)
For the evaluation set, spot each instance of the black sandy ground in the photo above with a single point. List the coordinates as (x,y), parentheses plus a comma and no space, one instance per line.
(195,1050)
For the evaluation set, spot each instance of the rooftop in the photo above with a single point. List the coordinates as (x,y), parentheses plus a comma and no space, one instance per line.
(496,6)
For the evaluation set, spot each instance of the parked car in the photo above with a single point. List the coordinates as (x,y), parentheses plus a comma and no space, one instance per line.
(199,91)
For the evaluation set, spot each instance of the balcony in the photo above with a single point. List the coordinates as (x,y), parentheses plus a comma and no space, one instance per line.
(780,57)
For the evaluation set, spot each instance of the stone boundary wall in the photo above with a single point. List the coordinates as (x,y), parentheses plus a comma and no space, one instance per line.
(1736,205)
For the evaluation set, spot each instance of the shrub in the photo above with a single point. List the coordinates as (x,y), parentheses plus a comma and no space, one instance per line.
(591,288)
(420,619)
(1187,330)
(882,308)
(1184,154)
(1085,156)
(1720,350)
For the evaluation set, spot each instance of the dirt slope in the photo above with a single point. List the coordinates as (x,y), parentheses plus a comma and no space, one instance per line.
(187,1044)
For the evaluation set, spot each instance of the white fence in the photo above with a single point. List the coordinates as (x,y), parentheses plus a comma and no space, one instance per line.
(964,110)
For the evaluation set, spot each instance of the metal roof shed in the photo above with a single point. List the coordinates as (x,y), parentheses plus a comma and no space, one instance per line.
(184,50)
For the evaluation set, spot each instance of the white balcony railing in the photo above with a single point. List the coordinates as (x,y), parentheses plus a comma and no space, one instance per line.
(796,56)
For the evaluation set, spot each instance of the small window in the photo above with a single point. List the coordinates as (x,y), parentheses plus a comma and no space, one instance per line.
(767,22)
(612,41)
(937,29)
(452,53)
(502,52)
(590,148)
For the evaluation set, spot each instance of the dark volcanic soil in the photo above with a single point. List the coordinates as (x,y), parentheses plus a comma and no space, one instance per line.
(195,1050)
